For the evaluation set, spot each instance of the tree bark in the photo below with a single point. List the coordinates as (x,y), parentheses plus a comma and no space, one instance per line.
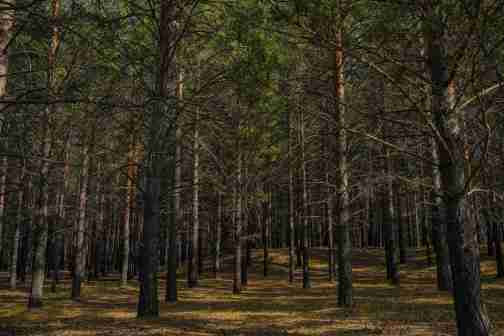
(6,26)
(17,231)
(471,315)
(79,255)
(40,241)
(292,232)
(194,265)
(345,297)
(238,228)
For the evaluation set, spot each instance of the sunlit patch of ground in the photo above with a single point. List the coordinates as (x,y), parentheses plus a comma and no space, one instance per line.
(267,307)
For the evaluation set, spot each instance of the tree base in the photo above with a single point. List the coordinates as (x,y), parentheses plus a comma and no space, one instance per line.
(35,303)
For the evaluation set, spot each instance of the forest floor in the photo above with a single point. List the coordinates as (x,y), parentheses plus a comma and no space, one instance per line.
(267,307)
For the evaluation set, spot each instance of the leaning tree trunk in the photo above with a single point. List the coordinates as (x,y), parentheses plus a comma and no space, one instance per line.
(345,297)
(79,255)
(471,315)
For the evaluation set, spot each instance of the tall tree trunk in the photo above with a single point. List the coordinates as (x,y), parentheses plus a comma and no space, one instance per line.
(389,221)
(130,194)
(345,297)
(148,305)
(79,255)
(266,233)
(471,315)
(39,260)
(238,227)
(3,181)
(292,233)
(6,26)
(194,265)
(304,229)
(497,236)
(17,230)
(438,225)
(218,235)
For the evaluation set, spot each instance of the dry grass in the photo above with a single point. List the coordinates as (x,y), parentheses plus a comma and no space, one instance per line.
(266,307)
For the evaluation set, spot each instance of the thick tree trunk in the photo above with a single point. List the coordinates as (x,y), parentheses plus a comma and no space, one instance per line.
(148,305)
(40,237)
(438,225)
(472,319)
(79,255)
(497,235)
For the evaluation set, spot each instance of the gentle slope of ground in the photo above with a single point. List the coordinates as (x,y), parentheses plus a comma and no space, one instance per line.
(266,307)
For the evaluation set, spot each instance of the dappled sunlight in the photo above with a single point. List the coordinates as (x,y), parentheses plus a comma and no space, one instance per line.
(270,306)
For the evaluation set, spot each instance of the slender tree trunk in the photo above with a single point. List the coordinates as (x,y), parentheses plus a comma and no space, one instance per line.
(79,255)
(3,181)
(17,230)
(266,234)
(194,272)
(6,26)
(345,297)
(292,233)
(218,235)
(238,228)
(497,236)
(401,222)
(390,224)
(304,229)
(130,178)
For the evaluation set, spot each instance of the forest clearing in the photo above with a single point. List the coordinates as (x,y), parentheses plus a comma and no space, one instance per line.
(267,306)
